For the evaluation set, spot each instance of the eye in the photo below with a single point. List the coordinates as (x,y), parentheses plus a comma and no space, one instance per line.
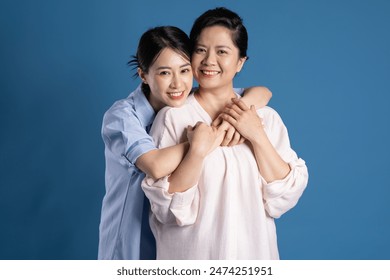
(222,52)
(200,50)
(186,70)
(164,73)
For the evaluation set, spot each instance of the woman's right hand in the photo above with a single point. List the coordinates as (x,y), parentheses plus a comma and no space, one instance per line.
(203,138)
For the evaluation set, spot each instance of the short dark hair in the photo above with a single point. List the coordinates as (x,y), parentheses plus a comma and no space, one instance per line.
(151,44)
(226,18)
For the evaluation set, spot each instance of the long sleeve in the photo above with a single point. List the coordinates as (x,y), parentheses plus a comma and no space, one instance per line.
(179,208)
(282,195)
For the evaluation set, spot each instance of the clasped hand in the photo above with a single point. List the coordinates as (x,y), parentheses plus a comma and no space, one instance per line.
(233,126)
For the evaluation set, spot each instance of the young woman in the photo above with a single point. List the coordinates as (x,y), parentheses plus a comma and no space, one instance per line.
(163,63)
(220,203)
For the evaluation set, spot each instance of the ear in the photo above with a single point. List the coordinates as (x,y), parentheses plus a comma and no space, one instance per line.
(240,63)
(142,75)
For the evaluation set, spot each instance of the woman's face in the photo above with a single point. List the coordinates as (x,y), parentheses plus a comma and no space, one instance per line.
(169,78)
(216,60)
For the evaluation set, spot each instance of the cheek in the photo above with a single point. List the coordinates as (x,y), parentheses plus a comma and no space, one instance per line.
(232,66)
(189,79)
(159,83)
(195,61)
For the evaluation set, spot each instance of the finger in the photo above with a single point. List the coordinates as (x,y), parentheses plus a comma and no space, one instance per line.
(235,140)
(242,140)
(228,136)
(229,119)
(197,125)
(217,121)
(240,104)
(224,126)
(237,109)
(233,113)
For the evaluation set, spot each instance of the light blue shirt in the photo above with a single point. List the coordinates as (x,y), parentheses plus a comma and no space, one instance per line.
(124,227)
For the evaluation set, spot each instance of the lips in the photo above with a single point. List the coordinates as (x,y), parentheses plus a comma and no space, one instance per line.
(209,73)
(176,95)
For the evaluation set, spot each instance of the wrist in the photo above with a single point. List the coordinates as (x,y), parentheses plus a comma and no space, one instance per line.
(197,152)
(259,139)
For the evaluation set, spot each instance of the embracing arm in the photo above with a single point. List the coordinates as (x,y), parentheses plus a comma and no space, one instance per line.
(175,198)
(258,96)
(204,139)
(162,162)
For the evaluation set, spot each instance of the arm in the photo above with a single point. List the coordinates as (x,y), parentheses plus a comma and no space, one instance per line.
(258,96)
(177,205)
(204,139)
(281,188)
(271,166)
(127,140)
(162,162)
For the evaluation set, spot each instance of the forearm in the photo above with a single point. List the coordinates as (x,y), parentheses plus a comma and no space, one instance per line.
(271,166)
(187,173)
(258,96)
(162,162)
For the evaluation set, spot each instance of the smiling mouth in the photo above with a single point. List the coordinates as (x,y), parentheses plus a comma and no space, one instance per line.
(209,73)
(176,94)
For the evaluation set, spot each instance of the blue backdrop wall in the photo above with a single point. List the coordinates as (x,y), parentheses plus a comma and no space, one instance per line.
(63,63)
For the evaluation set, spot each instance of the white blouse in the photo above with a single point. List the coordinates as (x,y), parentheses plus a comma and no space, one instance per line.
(230,213)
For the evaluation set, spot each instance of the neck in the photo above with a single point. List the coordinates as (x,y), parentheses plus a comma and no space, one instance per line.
(214,101)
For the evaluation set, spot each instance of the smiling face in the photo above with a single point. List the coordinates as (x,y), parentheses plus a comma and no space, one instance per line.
(216,60)
(169,78)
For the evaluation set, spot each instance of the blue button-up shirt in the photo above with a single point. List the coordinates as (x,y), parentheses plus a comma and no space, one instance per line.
(124,227)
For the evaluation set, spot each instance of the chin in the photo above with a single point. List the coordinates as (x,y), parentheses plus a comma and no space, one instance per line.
(175,103)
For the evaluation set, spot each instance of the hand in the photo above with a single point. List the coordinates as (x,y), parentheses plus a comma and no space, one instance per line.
(204,139)
(245,120)
(232,137)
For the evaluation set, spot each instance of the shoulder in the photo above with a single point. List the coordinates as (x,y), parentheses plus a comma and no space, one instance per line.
(172,120)
(120,109)
(173,113)
(270,116)
(267,111)
(123,117)
(135,105)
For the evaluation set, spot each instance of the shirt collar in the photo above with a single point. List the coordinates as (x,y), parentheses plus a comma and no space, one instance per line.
(143,108)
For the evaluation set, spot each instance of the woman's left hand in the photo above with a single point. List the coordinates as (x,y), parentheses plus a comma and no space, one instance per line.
(232,136)
(245,120)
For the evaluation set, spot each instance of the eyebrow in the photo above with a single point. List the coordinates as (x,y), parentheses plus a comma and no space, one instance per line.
(167,67)
(219,46)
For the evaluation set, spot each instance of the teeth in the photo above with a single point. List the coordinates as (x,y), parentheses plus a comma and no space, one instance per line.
(175,94)
(209,72)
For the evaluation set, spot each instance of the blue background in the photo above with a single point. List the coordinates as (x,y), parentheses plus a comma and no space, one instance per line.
(63,63)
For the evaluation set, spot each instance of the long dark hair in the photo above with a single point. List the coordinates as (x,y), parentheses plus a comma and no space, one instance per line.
(152,43)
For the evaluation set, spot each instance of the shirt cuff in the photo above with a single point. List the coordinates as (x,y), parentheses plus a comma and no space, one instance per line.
(277,188)
(183,205)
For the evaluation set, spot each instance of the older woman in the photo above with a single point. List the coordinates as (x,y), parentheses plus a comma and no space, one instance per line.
(220,203)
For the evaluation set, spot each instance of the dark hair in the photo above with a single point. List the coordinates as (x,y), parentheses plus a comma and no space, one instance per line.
(152,43)
(226,18)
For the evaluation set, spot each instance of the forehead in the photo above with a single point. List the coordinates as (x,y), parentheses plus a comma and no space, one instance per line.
(215,35)
(170,58)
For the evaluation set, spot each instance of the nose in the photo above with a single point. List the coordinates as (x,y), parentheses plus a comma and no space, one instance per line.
(209,58)
(176,81)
